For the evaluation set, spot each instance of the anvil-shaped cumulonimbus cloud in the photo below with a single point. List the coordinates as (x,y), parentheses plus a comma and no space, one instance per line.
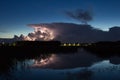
(69,32)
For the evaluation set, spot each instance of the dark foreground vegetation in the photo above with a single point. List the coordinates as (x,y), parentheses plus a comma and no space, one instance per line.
(21,48)
(104,49)
(29,47)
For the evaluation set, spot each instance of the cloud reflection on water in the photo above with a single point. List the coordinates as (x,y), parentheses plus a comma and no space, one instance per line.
(64,61)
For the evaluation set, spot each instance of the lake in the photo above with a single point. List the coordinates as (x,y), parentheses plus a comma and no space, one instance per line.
(82,65)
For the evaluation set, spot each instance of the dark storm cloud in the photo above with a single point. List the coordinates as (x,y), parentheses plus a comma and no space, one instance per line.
(69,32)
(82,15)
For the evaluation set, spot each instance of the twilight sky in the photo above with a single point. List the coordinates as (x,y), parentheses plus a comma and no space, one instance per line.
(16,14)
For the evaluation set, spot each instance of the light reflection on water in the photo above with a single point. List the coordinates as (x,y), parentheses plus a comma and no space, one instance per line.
(78,66)
(66,61)
(43,62)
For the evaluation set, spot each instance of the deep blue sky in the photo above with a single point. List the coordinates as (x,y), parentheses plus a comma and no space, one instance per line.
(16,14)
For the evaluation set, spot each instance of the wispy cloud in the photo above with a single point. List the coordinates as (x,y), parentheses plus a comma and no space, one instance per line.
(81,15)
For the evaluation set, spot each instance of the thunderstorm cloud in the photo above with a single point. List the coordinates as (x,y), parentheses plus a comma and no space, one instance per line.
(70,32)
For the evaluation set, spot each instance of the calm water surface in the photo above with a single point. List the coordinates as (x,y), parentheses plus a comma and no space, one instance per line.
(82,65)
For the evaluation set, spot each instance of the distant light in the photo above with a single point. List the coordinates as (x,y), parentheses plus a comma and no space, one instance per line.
(69,44)
(73,44)
(64,44)
(78,44)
